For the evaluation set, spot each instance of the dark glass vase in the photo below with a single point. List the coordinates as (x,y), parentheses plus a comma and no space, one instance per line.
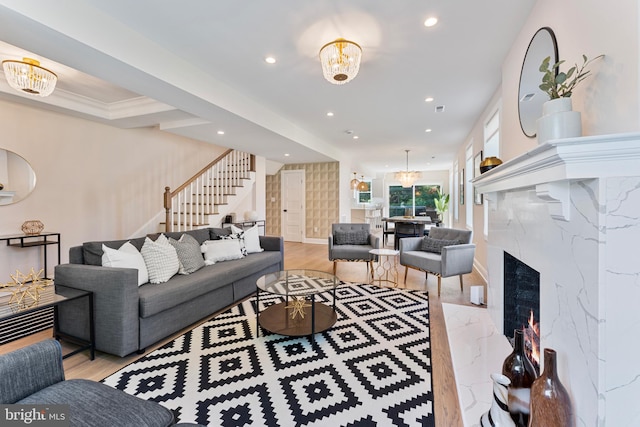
(550,401)
(519,369)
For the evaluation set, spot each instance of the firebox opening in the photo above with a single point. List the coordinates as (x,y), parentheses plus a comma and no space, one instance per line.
(521,295)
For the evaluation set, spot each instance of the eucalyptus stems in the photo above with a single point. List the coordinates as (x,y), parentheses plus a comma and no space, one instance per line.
(559,84)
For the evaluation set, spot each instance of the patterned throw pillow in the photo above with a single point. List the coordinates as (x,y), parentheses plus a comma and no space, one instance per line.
(355,237)
(436,245)
(161,259)
(251,238)
(189,255)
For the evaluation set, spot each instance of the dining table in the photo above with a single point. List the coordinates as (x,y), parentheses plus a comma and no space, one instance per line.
(419,224)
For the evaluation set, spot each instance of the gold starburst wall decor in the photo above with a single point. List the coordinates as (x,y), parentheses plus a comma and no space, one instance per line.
(25,288)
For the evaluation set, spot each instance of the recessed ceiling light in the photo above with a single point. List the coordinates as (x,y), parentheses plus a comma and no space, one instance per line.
(427,130)
(329,114)
(356,137)
(431,21)
(429,99)
(270,60)
(286,154)
(220,132)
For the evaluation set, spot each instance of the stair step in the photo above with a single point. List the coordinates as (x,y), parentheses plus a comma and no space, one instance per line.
(183,224)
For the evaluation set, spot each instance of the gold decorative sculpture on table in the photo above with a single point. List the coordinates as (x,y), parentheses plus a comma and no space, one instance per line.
(32,227)
(25,288)
(297,306)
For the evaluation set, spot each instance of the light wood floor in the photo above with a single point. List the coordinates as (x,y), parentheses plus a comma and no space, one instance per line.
(309,256)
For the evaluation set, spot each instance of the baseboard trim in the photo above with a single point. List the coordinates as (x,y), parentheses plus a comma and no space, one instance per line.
(315,241)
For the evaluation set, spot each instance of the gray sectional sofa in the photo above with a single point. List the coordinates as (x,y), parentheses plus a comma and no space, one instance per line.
(128,317)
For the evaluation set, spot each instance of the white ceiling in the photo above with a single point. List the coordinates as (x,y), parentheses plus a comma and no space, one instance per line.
(193,68)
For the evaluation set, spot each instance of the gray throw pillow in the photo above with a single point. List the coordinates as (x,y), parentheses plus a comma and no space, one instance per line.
(189,254)
(355,237)
(436,245)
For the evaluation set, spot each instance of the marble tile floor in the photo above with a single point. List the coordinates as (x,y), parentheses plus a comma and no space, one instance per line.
(477,350)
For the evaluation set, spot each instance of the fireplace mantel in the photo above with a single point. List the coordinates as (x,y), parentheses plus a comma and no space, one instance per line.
(566,159)
(570,209)
(552,166)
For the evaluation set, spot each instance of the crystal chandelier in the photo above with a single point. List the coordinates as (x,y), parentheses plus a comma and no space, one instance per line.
(407,178)
(340,61)
(28,76)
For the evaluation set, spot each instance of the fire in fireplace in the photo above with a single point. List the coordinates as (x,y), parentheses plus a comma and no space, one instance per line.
(532,342)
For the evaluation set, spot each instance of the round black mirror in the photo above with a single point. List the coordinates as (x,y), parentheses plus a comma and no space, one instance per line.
(17,178)
(530,96)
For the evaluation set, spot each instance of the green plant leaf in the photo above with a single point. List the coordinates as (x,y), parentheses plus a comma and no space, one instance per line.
(557,84)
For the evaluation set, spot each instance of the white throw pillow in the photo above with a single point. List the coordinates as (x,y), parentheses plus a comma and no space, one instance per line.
(220,250)
(251,238)
(161,259)
(240,238)
(126,257)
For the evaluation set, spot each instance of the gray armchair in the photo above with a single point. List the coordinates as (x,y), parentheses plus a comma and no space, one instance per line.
(34,376)
(352,242)
(445,252)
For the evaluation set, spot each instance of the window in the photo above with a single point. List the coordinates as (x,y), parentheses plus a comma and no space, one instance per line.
(492,136)
(416,200)
(364,196)
(491,148)
(468,194)
(455,191)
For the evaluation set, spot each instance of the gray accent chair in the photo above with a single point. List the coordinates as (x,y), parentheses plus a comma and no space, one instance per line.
(34,375)
(353,250)
(454,260)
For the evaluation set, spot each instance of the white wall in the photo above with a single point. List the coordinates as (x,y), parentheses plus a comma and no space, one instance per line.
(608,100)
(94,181)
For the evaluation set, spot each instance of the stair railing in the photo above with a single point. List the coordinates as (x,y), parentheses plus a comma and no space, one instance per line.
(189,206)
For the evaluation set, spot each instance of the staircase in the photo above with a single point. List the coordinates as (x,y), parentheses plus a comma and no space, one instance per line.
(206,197)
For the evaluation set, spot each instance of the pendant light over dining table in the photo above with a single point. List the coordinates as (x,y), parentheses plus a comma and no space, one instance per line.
(358,185)
(354,182)
(407,178)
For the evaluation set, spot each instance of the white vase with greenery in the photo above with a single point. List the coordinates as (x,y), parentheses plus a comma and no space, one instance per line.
(558,118)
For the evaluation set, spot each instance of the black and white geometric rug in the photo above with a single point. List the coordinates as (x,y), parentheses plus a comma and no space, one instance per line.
(373,367)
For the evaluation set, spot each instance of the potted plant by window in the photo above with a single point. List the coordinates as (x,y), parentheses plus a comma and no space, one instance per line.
(558,119)
(441,204)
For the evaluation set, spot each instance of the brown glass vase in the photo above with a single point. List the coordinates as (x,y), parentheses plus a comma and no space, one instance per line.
(519,369)
(550,401)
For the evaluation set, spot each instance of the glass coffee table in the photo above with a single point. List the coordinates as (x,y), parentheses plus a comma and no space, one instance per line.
(299,314)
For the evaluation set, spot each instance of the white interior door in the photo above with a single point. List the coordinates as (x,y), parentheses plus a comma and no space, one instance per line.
(293,205)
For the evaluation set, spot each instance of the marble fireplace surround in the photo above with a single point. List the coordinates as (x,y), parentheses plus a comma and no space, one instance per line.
(571,210)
